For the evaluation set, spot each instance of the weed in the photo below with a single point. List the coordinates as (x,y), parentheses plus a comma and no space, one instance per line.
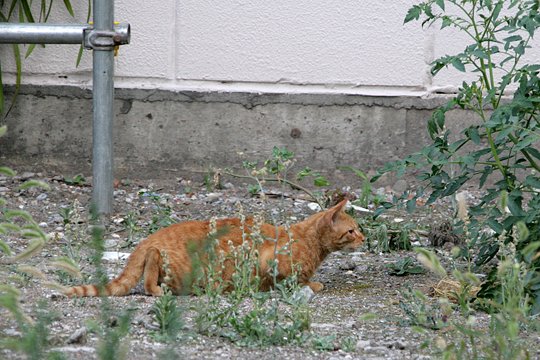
(212,180)
(421,312)
(163,212)
(165,310)
(404,267)
(387,236)
(77,180)
(243,314)
(501,143)
(75,234)
(348,344)
(132,228)
(276,169)
(324,342)
(509,315)
(112,328)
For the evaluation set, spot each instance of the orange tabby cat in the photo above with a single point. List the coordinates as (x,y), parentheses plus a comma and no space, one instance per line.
(314,238)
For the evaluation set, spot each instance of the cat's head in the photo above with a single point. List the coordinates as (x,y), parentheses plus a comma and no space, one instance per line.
(338,230)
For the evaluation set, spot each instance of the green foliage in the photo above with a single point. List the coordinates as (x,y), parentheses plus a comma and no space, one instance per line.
(276,169)
(509,316)
(34,340)
(77,180)
(422,312)
(163,211)
(168,316)
(500,147)
(113,325)
(405,266)
(22,11)
(386,236)
(236,309)
(323,343)
(367,195)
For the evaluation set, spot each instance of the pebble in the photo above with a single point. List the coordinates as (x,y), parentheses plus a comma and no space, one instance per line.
(114,256)
(3,189)
(362,344)
(78,337)
(56,218)
(400,186)
(314,206)
(347,264)
(212,197)
(12,332)
(305,294)
(27,175)
(111,243)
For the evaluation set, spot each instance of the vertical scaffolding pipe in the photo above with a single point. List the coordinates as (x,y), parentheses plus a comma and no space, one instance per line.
(103,95)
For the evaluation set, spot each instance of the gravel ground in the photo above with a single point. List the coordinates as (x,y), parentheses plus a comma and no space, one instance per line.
(355,283)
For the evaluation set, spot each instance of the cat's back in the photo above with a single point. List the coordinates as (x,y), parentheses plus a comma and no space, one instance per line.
(181,232)
(191,231)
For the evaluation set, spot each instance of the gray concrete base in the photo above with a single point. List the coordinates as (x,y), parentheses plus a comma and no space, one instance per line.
(161,134)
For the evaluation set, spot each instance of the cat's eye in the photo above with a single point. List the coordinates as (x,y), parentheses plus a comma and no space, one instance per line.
(351,231)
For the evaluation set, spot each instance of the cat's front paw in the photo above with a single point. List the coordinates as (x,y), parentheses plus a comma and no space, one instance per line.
(315,286)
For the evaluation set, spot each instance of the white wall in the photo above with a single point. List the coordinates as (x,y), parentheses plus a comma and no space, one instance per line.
(349,46)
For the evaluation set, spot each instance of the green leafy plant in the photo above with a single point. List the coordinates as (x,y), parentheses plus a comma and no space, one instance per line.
(18,223)
(23,12)
(77,180)
(113,326)
(276,169)
(509,316)
(163,211)
(405,266)
(165,309)
(34,341)
(387,236)
(245,315)
(324,343)
(168,316)
(501,144)
(421,311)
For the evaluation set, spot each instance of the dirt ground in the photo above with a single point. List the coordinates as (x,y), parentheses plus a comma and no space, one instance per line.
(356,283)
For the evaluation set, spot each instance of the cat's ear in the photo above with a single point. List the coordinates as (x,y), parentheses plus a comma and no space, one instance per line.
(332,214)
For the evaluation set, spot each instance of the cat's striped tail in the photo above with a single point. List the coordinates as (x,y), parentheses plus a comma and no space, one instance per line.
(119,286)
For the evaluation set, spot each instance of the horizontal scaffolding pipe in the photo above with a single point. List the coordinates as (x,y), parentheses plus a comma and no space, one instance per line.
(30,33)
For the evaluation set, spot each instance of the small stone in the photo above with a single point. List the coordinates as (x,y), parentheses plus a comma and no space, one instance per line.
(114,256)
(78,337)
(212,197)
(111,243)
(305,295)
(400,186)
(347,264)
(362,344)
(27,175)
(314,206)
(3,189)
(56,218)
(43,224)
(42,197)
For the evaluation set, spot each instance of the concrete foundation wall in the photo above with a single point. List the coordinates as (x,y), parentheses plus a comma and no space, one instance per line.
(178,134)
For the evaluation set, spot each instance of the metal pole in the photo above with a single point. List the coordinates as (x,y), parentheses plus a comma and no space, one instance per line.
(61,34)
(103,94)
(41,33)
(102,38)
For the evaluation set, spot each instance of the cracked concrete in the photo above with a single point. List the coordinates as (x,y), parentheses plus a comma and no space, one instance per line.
(160,133)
